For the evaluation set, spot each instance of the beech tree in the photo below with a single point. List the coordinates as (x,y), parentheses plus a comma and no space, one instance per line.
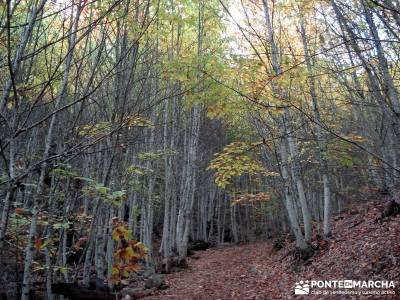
(132,130)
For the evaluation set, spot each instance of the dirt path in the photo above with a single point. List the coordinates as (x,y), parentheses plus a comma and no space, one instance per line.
(228,273)
(361,249)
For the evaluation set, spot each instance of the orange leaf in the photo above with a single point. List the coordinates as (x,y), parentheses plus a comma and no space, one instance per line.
(38,244)
(79,243)
(132,268)
(22,212)
(19,211)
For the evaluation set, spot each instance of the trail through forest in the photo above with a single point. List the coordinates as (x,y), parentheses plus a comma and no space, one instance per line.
(362,246)
(134,132)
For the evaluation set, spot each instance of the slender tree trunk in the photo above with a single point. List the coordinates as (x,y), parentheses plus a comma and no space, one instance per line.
(276,66)
(321,142)
(48,142)
(295,170)
(188,192)
(289,203)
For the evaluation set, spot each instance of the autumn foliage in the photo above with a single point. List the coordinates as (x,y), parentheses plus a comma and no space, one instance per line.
(129,252)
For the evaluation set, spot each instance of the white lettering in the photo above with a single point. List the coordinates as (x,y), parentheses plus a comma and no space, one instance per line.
(352,284)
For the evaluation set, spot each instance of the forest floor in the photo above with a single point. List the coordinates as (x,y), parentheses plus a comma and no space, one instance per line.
(361,248)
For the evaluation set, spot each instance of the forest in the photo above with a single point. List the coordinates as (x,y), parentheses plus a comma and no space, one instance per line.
(198,149)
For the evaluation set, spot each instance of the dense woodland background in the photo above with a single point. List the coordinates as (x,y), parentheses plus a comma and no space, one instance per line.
(134,127)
